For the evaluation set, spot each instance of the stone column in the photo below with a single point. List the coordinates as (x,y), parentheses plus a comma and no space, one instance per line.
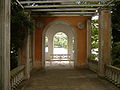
(27,64)
(88,39)
(50,45)
(104,40)
(5,44)
(70,46)
(33,49)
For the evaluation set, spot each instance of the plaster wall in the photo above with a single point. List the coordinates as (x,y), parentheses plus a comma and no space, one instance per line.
(81,36)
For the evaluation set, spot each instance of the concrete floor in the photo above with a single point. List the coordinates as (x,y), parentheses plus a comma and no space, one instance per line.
(66,79)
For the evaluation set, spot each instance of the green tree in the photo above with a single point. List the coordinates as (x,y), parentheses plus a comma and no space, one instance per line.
(60,40)
(94,39)
(116,33)
(20,24)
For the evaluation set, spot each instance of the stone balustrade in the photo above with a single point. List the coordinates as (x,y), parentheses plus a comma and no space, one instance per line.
(93,65)
(17,76)
(60,56)
(113,74)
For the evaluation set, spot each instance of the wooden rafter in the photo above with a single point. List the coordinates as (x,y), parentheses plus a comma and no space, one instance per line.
(64,7)
(60,1)
(71,13)
(19,4)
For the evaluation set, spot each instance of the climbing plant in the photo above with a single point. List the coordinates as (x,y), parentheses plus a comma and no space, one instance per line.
(21,24)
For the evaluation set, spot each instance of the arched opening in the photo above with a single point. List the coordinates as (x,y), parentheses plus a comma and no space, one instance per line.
(60,43)
(59,46)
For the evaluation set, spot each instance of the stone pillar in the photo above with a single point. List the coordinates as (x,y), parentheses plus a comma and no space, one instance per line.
(33,49)
(70,46)
(88,39)
(27,64)
(5,44)
(104,40)
(50,45)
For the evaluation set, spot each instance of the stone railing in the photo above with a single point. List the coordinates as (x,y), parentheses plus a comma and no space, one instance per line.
(93,65)
(113,74)
(17,76)
(60,56)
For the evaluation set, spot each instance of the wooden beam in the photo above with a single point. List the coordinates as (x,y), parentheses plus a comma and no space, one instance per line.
(65,9)
(20,4)
(71,13)
(59,15)
(30,2)
(63,14)
(62,1)
(62,6)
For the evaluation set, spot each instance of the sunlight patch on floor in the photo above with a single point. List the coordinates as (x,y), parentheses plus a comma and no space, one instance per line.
(59,64)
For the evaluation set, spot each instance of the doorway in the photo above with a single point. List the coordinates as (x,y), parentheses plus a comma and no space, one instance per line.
(59,46)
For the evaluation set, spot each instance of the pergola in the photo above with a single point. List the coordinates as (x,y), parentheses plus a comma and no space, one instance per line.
(64,7)
(57,8)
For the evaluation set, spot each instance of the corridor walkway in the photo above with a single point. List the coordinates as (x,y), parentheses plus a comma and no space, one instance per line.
(66,79)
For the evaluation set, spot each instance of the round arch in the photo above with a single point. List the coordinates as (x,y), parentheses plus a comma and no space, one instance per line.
(68,33)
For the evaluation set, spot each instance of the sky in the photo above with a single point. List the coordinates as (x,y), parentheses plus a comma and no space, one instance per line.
(95,17)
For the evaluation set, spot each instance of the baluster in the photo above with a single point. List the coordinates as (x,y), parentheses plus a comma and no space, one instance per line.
(118,83)
(19,77)
(14,82)
(116,76)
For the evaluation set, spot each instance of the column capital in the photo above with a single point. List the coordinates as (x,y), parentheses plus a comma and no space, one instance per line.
(104,9)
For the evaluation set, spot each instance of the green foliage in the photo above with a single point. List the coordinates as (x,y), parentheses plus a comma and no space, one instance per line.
(94,34)
(94,39)
(116,21)
(93,56)
(60,40)
(116,54)
(21,24)
(116,33)
(89,2)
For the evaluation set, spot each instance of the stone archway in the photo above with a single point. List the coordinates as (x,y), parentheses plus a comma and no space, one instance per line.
(51,29)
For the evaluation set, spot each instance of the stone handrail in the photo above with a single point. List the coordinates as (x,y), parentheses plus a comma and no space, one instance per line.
(17,76)
(93,65)
(113,74)
(60,56)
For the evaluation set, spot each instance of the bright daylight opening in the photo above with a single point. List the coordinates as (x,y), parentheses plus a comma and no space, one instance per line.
(60,41)
(61,55)
(94,37)
(46,44)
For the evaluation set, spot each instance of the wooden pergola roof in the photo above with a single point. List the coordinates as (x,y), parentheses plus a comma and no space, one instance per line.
(64,7)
